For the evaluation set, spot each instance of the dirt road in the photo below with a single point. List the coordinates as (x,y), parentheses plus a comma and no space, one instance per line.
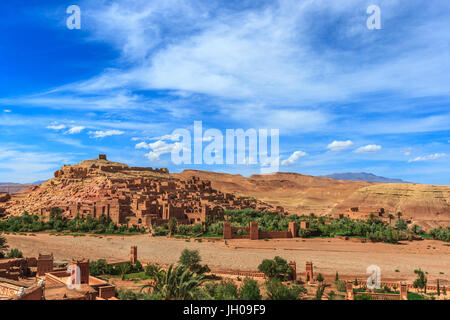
(328,255)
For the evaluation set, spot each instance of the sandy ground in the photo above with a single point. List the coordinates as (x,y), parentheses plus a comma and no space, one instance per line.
(350,259)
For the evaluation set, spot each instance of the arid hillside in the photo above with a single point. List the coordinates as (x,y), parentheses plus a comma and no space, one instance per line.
(426,205)
(137,194)
(297,193)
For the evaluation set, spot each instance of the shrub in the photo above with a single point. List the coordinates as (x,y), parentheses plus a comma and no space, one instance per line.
(191,259)
(131,295)
(277,291)
(14,253)
(98,267)
(319,292)
(138,267)
(363,296)
(250,290)
(276,268)
(341,285)
(225,290)
(400,224)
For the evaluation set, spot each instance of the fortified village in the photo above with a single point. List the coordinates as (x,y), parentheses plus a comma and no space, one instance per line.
(127,195)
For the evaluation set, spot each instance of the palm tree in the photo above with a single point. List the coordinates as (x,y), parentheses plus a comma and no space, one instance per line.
(399,214)
(124,268)
(177,283)
(172,225)
(390,216)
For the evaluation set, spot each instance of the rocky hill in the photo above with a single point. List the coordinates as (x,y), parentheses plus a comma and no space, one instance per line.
(139,195)
(94,186)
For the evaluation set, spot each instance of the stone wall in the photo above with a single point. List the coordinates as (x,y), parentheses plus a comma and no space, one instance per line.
(253,233)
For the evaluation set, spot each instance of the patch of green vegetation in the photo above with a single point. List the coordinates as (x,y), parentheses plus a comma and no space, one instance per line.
(373,229)
(442,234)
(363,296)
(417,296)
(57,224)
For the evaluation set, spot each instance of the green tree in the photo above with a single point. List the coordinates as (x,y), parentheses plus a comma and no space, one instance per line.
(438,288)
(399,214)
(277,291)
(336,277)
(172,225)
(225,290)
(191,259)
(250,290)
(319,278)
(276,268)
(421,281)
(391,217)
(177,283)
(98,267)
(401,224)
(14,253)
(124,269)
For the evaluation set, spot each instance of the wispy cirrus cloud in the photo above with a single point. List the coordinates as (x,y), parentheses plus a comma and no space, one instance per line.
(429,157)
(56,126)
(99,134)
(75,130)
(370,148)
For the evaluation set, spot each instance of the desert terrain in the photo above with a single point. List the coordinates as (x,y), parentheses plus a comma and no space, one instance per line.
(425,205)
(350,259)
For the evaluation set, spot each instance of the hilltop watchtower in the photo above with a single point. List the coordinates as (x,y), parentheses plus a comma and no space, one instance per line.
(102,157)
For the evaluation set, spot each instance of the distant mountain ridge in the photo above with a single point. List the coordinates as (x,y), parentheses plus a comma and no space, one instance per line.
(11,187)
(363,176)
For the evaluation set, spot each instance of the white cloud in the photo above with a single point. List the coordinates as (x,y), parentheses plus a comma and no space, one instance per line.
(407,151)
(7,110)
(159,148)
(371,148)
(170,137)
(22,164)
(428,157)
(55,126)
(75,130)
(340,145)
(293,158)
(107,133)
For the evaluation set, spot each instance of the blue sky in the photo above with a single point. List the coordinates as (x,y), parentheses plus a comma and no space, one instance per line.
(345,98)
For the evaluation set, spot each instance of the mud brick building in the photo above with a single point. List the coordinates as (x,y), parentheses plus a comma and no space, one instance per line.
(37,279)
(129,195)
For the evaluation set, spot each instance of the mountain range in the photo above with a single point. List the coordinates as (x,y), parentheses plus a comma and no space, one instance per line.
(363,176)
